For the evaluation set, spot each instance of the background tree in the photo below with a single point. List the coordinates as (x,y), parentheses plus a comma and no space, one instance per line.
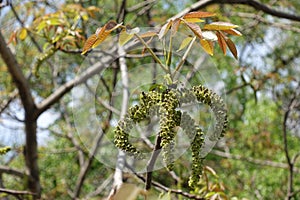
(259,157)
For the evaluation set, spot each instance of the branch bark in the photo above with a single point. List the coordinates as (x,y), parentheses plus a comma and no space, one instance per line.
(16,192)
(290,189)
(11,171)
(252,3)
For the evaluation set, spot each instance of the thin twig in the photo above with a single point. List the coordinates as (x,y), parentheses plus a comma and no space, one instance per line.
(16,192)
(154,56)
(290,189)
(180,64)
(151,162)
(164,188)
(253,160)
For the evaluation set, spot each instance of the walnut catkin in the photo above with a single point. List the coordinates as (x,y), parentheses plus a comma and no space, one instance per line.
(166,104)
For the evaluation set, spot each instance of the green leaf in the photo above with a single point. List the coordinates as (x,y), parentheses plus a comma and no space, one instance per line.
(41,26)
(166,196)
(184,43)
(126,35)
(194,20)
(210,194)
(54,21)
(4,150)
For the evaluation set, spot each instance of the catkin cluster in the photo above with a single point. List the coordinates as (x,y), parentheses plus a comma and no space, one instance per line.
(166,105)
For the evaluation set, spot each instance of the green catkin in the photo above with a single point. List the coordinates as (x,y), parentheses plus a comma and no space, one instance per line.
(4,150)
(164,105)
(196,135)
(217,105)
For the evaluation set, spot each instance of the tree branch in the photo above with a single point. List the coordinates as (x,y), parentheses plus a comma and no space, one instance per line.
(165,188)
(11,171)
(16,192)
(62,90)
(290,189)
(252,3)
(151,162)
(118,175)
(17,76)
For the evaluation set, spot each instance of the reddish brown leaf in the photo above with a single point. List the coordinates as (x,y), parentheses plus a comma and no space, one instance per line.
(13,38)
(89,43)
(175,26)
(195,28)
(222,42)
(100,38)
(163,31)
(232,48)
(233,32)
(198,15)
(148,34)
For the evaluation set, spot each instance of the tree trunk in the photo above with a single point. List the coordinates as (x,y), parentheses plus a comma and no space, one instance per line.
(31,154)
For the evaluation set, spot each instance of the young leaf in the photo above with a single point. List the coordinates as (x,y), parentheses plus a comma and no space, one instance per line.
(126,35)
(100,35)
(221,42)
(207,46)
(184,43)
(195,28)
(233,32)
(148,34)
(232,48)
(89,43)
(105,31)
(218,26)
(23,34)
(164,29)
(198,15)
(211,171)
(209,35)
(194,20)
(175,26)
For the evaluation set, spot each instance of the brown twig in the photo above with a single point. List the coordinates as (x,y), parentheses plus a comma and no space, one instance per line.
(165,188)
